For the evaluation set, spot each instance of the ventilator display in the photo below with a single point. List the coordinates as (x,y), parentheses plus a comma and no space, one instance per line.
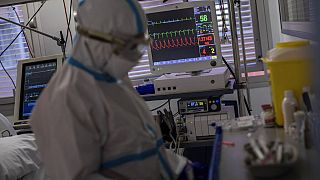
(35,77)
(183,35)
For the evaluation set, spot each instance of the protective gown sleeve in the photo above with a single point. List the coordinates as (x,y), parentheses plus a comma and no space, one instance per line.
(68,136)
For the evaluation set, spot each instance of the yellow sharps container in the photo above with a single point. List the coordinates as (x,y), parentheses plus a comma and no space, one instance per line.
(289,68)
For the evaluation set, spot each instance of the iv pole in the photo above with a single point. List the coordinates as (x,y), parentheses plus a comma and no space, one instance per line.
(238,3)
(60,41)
(236,56)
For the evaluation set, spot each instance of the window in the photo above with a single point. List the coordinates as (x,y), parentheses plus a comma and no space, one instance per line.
(17,51)
(297,17)
(252,52)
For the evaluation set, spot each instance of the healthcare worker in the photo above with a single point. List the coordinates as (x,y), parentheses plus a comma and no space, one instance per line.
(89,122)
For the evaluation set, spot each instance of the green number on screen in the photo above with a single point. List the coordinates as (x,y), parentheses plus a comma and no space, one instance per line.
(203,18)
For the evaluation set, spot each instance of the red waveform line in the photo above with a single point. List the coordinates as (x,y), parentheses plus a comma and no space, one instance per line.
(174,43)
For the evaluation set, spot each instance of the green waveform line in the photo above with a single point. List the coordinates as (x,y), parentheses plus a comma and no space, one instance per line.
(170,21)
(173,33)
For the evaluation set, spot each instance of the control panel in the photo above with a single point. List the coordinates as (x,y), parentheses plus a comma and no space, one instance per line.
(193,106)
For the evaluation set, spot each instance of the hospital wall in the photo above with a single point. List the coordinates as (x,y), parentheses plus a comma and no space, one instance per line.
(274,15)
(54,25)
(51,20)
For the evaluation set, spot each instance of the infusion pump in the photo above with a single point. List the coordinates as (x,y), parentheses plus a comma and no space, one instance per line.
(193,106)
(201,114)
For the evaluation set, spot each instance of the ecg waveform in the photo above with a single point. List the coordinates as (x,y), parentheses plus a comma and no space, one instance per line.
(151,23)
(174,43)
(172,34)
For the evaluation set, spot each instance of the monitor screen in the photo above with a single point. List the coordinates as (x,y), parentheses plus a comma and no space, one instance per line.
(182,36)
(35,77)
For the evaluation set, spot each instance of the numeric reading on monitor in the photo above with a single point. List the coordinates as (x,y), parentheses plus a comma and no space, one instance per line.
(35,78)
(184,35)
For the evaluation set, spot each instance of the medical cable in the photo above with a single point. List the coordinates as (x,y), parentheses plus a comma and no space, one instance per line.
(174,142)
(177,145)
(237,81)
(14,85)
(230,69)
(171,124)
(166,117)
(67,20)
(24,34)
(169,104)
(170,145)
(160,106)
(176,114)
(247,106)
(225,37)
(6,131)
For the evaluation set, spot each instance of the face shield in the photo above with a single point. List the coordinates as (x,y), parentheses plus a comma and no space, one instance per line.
(130,48)
(111,36)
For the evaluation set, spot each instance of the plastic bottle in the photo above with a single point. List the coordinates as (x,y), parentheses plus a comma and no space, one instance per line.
(289,106)
(267,115)
(299,118)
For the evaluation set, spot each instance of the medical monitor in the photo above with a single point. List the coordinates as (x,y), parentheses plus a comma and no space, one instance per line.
(184,37)
(33,76)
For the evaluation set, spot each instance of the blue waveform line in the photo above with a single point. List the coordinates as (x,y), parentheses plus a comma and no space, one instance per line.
(38,72)
(31,104)
(37,86)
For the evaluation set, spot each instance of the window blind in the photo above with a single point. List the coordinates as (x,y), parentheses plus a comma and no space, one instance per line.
(17,51)
(142,69)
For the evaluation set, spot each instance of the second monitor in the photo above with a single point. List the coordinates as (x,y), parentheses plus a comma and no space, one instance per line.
(184,37)
(33,76)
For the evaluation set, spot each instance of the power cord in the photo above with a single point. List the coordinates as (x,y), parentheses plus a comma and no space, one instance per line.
(247,106)
(169,104)
(14,85)
(67,20)
(24,34)
(160,106)
(229,68)
(176,114)
(6,135)
(237,82)
(225,37)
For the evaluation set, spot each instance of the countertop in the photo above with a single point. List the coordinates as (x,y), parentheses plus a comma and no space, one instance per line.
(233,167)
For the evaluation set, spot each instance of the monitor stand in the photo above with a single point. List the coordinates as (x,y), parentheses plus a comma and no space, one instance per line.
(207,80)
(193,73)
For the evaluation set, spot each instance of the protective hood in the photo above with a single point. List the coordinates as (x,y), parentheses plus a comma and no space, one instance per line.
(120,18)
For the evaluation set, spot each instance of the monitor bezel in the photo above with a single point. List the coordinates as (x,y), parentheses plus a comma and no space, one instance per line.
(190,66)
(20,66)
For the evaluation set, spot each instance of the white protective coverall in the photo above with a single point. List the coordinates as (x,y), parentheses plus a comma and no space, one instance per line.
(89,122)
